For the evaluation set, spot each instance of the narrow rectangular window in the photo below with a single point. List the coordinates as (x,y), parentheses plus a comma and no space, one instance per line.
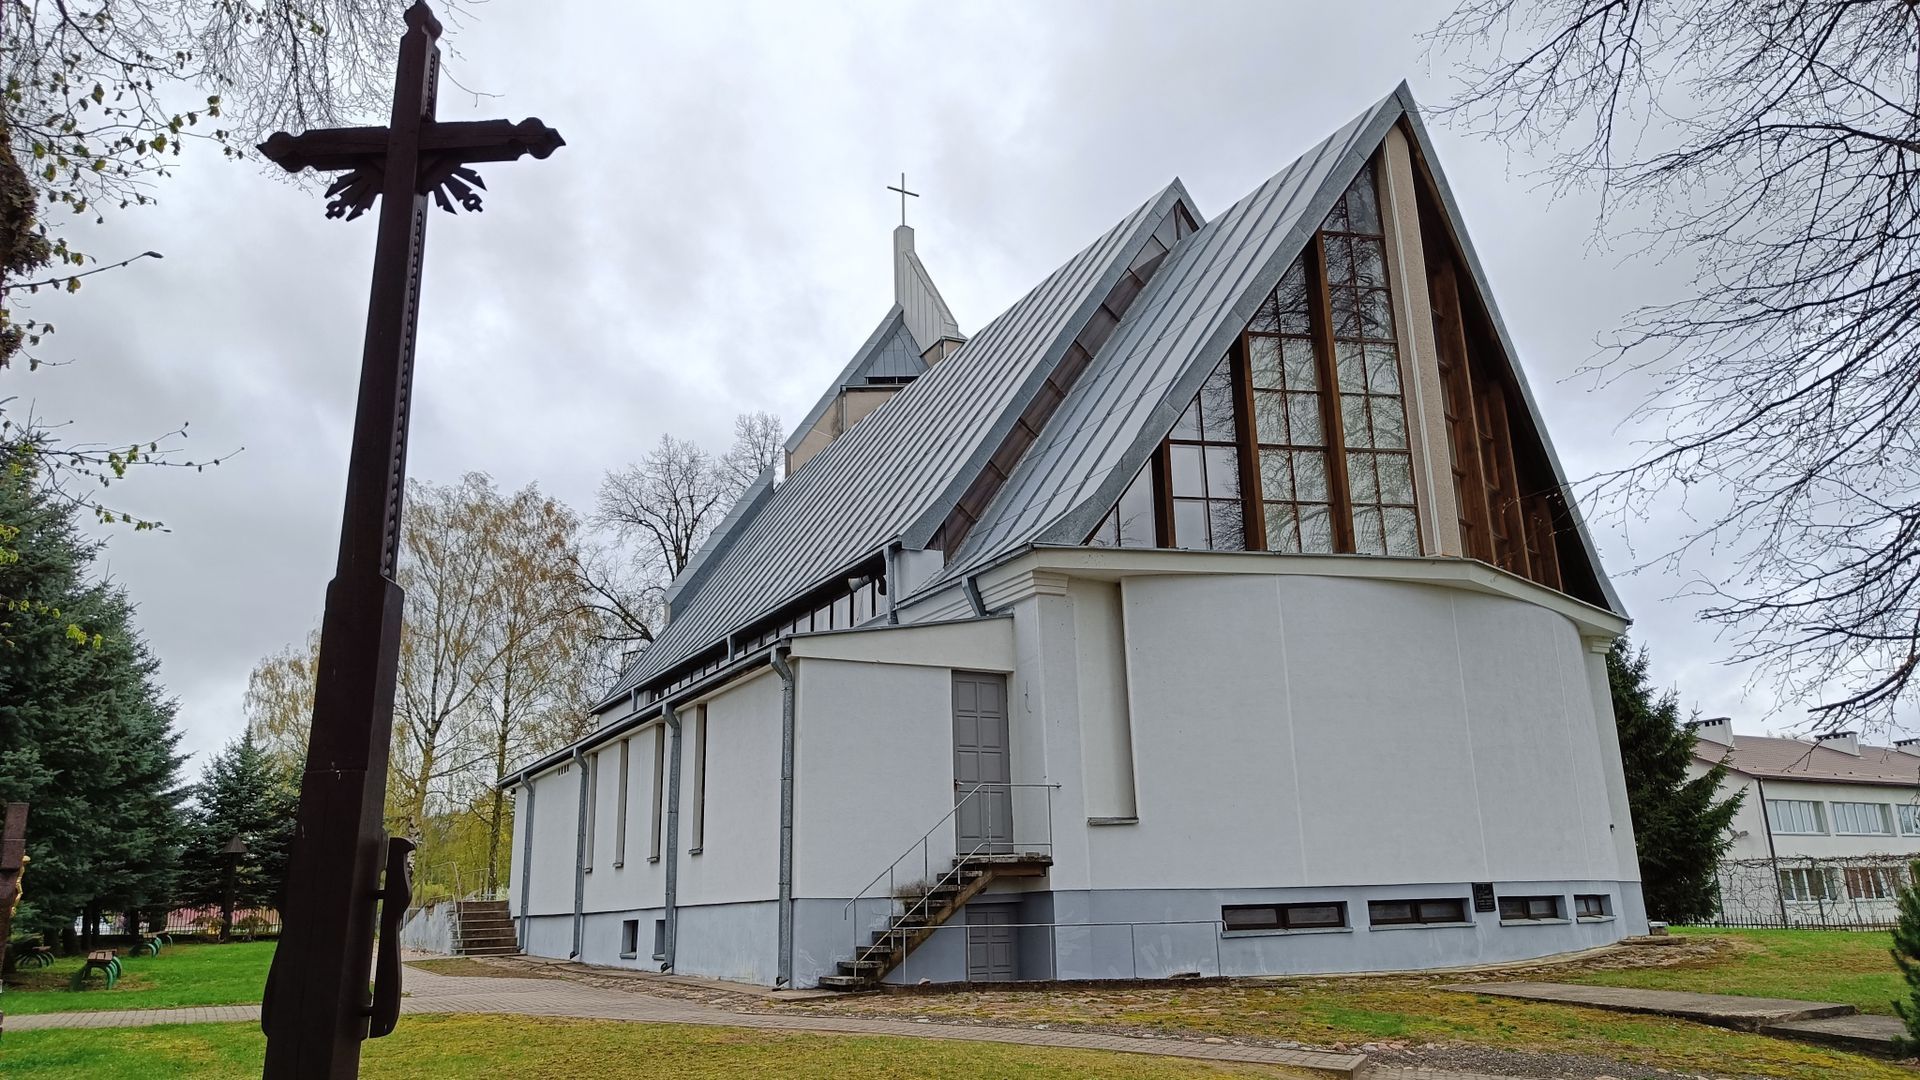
(1529,908)
(659,788)
(1591,906)
(1417,912)
(630,938)
(592,780)
(1289,431)
(659,939)
(1203,468)
(1327,916)
(1796,817)
(620,808)
(1909,819)
(1862,819)
(699,781)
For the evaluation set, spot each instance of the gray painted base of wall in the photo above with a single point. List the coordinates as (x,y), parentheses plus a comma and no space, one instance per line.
(1107,934)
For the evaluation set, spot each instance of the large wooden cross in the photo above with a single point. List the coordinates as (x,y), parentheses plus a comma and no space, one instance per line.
(318,1008)
(13,863)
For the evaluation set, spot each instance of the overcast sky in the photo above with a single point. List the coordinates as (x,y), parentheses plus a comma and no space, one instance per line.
(714,238)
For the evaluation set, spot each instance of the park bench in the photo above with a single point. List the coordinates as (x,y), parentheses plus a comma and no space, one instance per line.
(107,964)
(148,946)
(36,956)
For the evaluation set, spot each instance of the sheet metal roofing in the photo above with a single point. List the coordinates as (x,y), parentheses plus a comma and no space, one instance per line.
(896,473)
(1172,337)
(858,493)
(1797,759)
(889,351)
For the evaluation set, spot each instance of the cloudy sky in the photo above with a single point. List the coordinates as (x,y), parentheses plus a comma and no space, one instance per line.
(715,238)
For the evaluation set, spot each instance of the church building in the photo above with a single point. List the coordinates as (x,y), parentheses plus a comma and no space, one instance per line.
(1219,608)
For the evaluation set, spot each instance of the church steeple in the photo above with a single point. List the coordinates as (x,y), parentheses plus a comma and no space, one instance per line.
(933,327)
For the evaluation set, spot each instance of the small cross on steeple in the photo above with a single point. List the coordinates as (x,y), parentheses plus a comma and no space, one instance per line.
(902,189)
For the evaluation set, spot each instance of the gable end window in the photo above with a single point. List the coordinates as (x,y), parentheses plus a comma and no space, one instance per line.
(1417,912)
(1297,440)
(1244,917)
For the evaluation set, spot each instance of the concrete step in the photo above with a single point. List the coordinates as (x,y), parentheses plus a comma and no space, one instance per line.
(867,968)
(489,950)
(485,924)
(845,982)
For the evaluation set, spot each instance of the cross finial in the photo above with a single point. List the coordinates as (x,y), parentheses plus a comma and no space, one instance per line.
(902,189)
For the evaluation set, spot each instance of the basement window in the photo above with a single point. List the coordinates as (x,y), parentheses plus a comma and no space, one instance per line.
(1591,906)
(659,939)
(1437,912)
(1245,917)
(1530,909)
(629,938)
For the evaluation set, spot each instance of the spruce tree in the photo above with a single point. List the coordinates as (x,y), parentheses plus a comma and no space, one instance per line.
(1678,825)
(86,734)
(243,792)
(1906,956)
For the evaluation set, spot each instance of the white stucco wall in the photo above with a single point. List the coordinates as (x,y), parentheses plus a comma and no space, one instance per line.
(1300,731)
(740,859)
(874,766)
(555,817)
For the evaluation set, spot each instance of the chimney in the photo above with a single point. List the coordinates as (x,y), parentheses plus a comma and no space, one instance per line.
(1717,730)
(1846,742)
(1908,746)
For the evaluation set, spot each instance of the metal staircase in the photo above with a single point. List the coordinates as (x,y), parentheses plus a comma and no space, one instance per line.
(919,910)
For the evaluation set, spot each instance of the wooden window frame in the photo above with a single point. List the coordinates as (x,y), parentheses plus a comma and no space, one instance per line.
(1600,903)
(1463,905)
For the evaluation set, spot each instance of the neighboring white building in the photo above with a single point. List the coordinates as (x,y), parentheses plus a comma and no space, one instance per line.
(1216,609)
(1826,831)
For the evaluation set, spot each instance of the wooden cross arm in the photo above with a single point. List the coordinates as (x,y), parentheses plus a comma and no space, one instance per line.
(464,141)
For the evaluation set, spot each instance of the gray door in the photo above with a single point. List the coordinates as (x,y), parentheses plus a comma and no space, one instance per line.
(981,769)
(990,938)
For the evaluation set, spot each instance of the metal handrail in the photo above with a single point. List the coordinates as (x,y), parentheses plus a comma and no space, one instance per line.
(921,843)
(960,860)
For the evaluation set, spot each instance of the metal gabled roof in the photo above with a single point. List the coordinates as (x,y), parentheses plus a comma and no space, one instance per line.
(919,534)
(1171,339)
(864,488)
(1176,333)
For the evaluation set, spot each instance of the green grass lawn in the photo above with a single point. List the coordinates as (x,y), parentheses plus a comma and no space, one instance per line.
(455,1047)
(1351,1012)
(183,974)
(1852,967)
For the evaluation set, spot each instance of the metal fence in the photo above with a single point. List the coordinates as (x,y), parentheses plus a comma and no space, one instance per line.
(1807,893)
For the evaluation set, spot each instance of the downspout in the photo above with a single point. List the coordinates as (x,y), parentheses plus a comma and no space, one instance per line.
(785,670)
(526,868)
(971,585)
(579,858)
(892,583)
(672,718)
(1779,889)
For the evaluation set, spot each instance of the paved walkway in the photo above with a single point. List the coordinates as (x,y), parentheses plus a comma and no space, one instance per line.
(1809,1021)
(432,993)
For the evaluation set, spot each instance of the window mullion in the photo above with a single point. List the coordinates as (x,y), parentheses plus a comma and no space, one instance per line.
(1321,313)
(1253,507)
(1162,498)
